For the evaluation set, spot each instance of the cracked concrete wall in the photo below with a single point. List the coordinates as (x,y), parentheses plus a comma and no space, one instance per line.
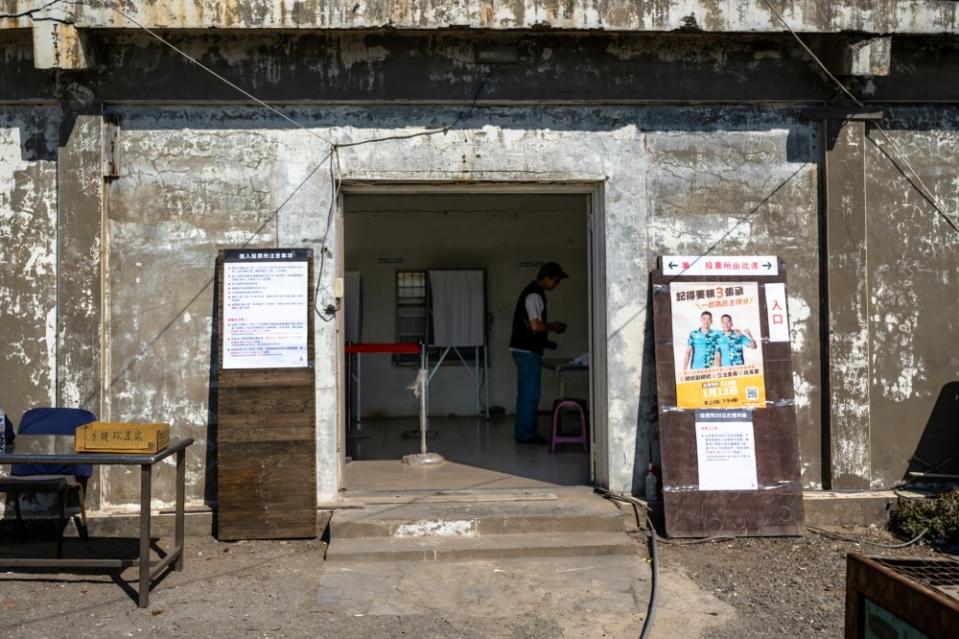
(868,16)
(747,183)
(911,279)
(28,257)
(196,179)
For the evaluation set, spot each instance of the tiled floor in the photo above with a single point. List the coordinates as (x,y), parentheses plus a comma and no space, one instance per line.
(480,454)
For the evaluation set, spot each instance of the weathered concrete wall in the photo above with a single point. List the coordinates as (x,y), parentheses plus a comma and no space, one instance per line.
(873,16)
(912,281)
(28,258)
(196,179)
(746,184)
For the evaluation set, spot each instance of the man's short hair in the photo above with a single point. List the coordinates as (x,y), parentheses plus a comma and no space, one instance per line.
(706,313)
(725,315)
(552,270)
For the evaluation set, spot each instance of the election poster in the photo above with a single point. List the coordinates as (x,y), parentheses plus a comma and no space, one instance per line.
(717,344)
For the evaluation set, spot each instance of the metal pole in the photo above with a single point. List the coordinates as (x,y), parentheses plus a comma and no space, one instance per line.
(146,476)
(359,391)
(477,379)
(180,506)
(486,376)
(422,381)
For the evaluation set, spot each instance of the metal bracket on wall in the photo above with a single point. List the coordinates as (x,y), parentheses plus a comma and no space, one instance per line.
(111,146)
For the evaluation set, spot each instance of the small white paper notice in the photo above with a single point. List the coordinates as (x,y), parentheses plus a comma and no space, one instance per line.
(725,450)
(265,313)
(776,314)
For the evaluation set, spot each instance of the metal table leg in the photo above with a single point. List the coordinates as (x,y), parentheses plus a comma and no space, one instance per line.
(146,477)
(180,507)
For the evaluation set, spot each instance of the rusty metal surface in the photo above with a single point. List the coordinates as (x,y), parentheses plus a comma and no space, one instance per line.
(890,584)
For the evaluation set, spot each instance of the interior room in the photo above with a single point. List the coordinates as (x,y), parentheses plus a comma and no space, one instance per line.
(447,269)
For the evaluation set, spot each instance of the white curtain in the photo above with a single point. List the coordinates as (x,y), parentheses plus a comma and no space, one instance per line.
(353,305)
(459,308)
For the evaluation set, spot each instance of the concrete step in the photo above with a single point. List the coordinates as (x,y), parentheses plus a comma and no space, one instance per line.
(569,512)
(481,547)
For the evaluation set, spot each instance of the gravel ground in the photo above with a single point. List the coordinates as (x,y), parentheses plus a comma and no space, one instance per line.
(785,587)
(749,588)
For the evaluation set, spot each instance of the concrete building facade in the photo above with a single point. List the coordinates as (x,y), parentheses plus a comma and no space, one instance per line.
(688,127)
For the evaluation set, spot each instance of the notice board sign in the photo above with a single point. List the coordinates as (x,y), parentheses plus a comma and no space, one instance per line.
(727,420)
(265,309)
(266,386)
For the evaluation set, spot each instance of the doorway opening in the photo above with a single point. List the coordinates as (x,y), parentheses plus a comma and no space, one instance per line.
(411,256)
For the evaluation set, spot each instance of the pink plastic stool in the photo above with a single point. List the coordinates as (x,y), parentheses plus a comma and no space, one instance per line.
(583,437)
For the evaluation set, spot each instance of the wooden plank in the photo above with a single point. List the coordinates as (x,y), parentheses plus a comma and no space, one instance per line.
(775,508)
(266,444)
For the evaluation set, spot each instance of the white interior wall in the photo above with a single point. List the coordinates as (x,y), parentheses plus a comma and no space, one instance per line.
(505,234)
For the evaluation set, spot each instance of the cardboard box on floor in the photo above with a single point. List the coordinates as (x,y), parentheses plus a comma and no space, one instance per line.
(119,437)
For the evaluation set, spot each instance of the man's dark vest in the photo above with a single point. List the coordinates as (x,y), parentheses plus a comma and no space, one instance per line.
(523,336)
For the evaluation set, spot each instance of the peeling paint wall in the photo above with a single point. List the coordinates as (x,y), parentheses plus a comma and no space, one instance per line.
(875,16)
(197,176)
(28,258)
(197,179)
(912,280)
(746,183)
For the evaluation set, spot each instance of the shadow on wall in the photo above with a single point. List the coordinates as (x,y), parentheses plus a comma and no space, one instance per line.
(210,487)
(938,448)
(647,421)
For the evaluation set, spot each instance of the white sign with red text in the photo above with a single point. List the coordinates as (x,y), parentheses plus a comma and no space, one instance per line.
(720,265)
(776,313)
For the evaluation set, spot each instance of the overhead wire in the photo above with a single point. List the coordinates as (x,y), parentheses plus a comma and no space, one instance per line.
(918,184)
(332,155)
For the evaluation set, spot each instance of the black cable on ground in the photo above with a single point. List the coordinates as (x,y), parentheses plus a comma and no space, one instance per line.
(653,556)
(826,533)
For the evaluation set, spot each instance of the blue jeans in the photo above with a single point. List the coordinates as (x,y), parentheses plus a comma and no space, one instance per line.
(528,373)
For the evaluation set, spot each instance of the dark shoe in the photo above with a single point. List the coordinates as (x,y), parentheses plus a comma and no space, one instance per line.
(535,439)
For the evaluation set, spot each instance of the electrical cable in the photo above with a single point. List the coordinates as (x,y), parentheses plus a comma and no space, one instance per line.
(826,533)
(653,556)
(924,191)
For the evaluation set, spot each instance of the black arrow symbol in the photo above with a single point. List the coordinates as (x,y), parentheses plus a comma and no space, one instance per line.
(768,265)
(672,265)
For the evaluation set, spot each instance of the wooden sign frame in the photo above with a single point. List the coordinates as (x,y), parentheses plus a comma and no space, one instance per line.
(266,448)
(775,507)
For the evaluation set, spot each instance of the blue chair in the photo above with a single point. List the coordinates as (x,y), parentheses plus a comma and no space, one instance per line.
(51,478)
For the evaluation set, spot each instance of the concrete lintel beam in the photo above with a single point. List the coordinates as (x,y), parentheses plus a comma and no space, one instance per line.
(58,45)
(733,16)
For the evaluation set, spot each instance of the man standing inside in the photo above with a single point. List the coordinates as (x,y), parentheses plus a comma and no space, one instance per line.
(531,327)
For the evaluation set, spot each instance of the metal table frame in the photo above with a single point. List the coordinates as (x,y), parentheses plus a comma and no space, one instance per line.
(147,571)
(562,366)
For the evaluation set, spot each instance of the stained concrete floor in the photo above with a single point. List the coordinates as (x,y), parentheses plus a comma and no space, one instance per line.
(480,453)
(285,589)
